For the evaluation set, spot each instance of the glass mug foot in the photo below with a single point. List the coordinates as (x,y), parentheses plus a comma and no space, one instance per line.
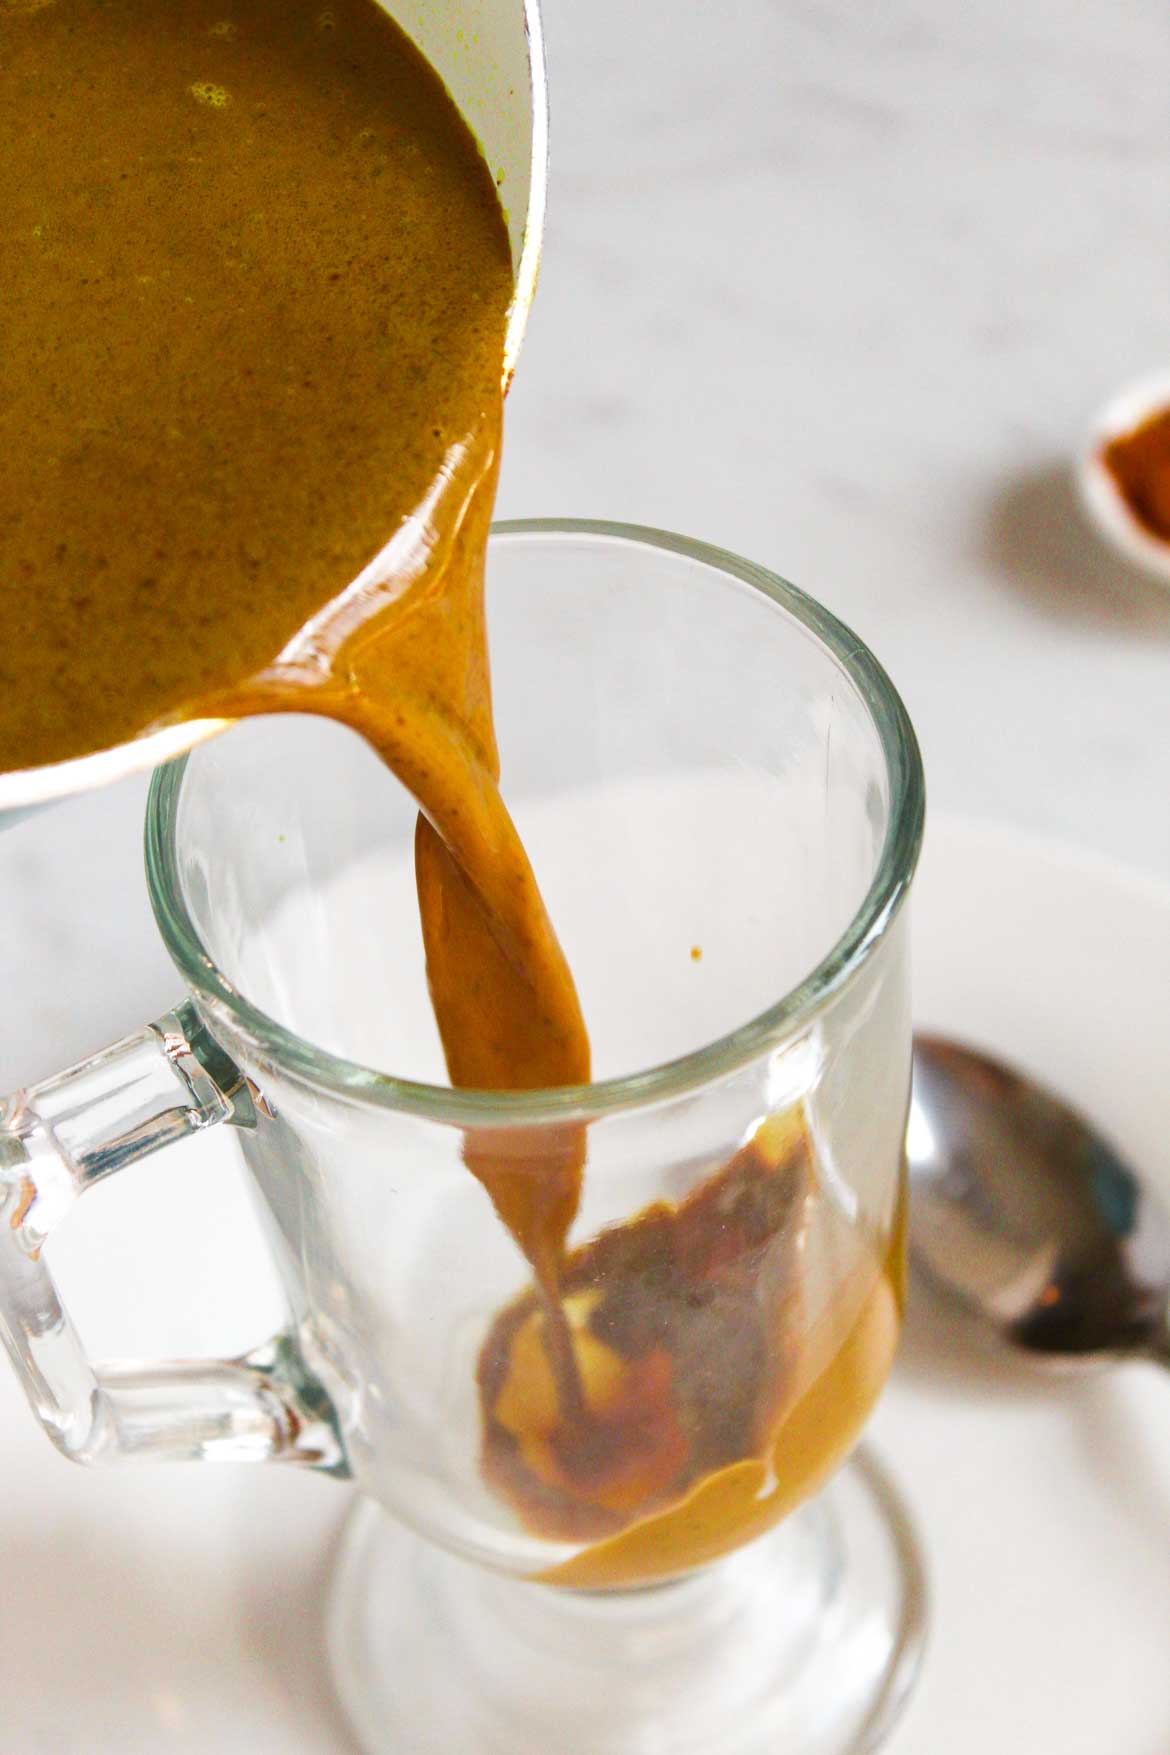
(806,1641)
(727,819)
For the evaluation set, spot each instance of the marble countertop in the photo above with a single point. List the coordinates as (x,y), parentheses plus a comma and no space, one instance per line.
(840,288)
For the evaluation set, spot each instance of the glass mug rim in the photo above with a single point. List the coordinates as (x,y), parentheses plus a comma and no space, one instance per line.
(785,1019)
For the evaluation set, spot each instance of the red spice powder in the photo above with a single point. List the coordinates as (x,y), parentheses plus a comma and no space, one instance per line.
(1139,463)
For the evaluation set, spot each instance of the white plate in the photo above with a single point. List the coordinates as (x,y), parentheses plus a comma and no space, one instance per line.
(179,1609)
(1044,1503)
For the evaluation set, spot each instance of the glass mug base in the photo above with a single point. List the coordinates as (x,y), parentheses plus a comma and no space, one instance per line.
(808,1640)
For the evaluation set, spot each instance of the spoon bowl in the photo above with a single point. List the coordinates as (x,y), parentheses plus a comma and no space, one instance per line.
(1026,1215)
(490,56)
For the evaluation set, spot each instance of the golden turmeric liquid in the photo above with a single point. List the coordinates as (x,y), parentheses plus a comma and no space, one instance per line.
(832,1385)
(254,279)
(719,1394)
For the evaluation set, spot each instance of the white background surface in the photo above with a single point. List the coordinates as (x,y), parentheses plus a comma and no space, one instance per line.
(839,287)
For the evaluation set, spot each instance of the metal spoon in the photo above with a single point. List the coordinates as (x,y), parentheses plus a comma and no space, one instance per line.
(1024,1213)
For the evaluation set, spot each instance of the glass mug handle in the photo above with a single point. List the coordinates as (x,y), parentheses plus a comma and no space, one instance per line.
(57,1139)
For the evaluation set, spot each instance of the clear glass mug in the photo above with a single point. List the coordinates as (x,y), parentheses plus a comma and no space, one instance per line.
(723,800)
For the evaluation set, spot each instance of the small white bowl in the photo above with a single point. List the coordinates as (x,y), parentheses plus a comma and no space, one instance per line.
(1100,495)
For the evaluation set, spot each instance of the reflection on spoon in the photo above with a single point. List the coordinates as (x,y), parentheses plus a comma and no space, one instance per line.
(1025,1214)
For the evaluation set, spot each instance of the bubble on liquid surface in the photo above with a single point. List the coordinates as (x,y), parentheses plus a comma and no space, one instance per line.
(214,96)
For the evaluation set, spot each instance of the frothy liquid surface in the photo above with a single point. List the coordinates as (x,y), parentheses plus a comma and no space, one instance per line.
(255,281)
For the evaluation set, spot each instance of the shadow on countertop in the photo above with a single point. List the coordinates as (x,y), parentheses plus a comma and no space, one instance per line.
(1038,540)
(943,1348)
(946,1353)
